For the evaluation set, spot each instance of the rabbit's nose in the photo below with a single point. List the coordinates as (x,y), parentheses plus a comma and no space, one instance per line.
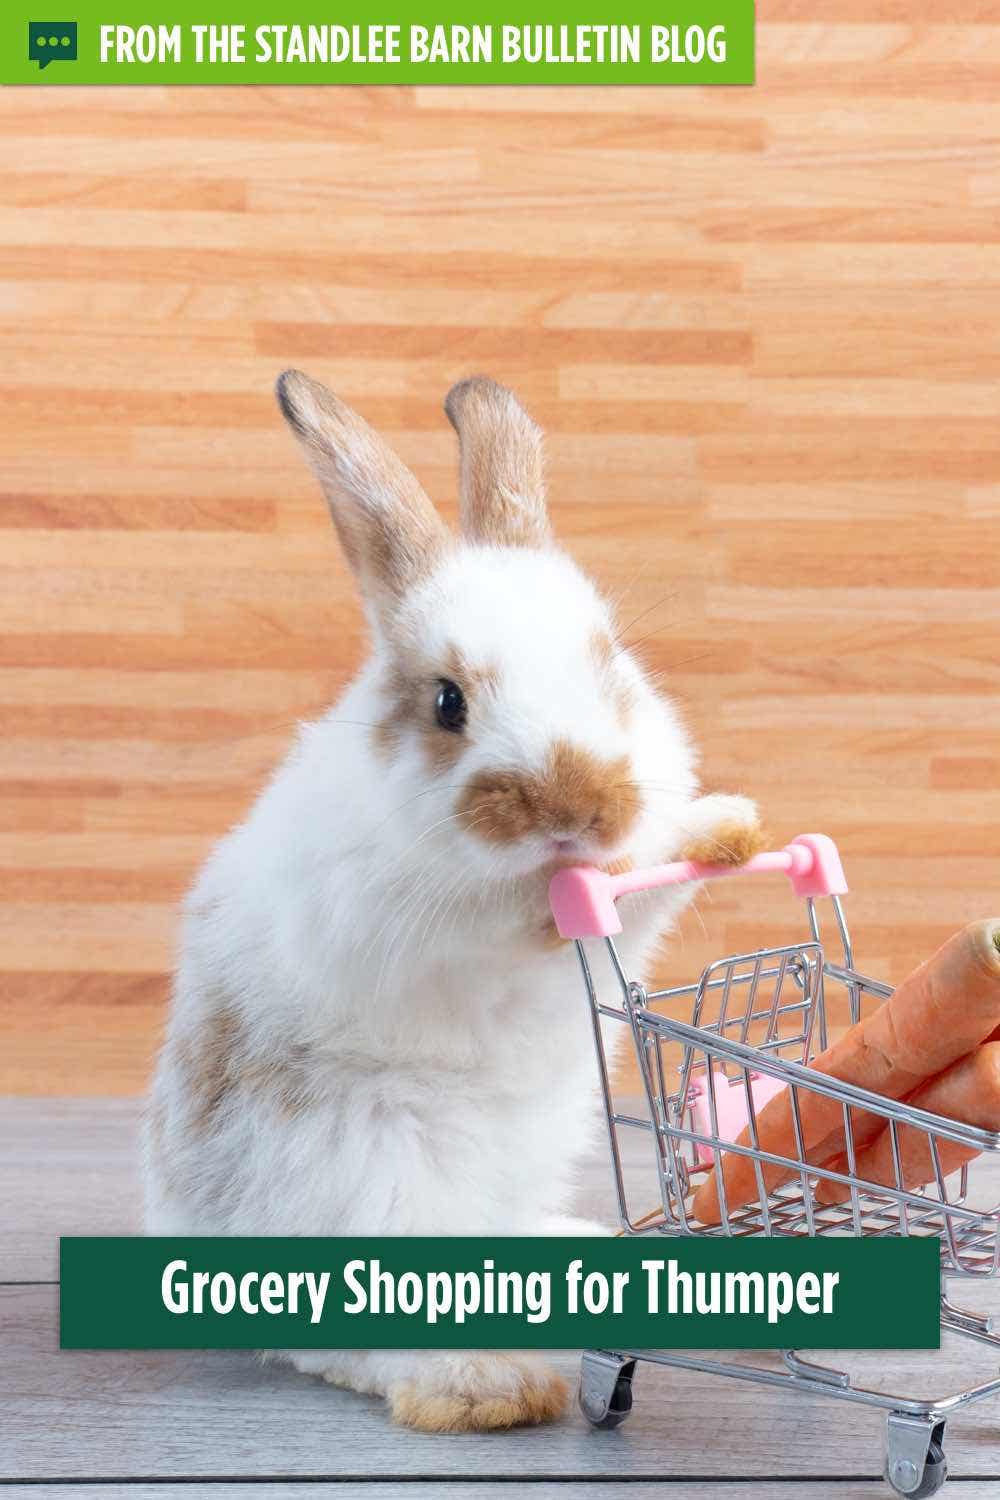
(566,822)
(587,826)
(576,797)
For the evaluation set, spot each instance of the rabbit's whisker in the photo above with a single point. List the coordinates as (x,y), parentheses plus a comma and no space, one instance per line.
(398,911)
(425,890)
(615,602)
(667,599)
(649,636)
(405,854)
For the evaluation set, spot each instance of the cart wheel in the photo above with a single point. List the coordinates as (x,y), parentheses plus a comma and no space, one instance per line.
(621,1403)
(606,1387)
(915,1462)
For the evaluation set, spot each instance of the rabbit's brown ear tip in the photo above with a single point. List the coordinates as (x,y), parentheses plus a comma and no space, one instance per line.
(289,389)
(454,399)
(473,385)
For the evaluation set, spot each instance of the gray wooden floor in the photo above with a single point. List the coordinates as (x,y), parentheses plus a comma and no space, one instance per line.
(220,1426)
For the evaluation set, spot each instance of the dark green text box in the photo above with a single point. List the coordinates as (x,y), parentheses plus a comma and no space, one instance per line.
(114,1293)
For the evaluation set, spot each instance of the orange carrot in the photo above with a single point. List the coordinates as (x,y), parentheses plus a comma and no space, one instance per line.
(942,1011)
(968,1091)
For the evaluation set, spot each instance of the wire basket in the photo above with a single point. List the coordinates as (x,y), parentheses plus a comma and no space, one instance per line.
(756,1022)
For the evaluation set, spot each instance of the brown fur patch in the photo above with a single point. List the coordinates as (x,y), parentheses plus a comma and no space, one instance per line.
(602,649)
(206,1059)
(412,687)
(729,843)
(411,705)
(501,482)
(473,679)
(576,794)
(217,1062)
(414,1406)
(624,703)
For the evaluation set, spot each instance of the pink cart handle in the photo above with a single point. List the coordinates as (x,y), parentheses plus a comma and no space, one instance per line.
(583,898)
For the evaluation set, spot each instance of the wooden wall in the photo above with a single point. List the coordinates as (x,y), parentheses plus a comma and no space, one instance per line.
(761,326)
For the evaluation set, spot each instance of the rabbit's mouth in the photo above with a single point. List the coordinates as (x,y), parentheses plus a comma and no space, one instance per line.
(565,846)
(561,850)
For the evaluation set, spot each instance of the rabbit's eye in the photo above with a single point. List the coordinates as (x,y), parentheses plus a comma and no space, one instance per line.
(450,707)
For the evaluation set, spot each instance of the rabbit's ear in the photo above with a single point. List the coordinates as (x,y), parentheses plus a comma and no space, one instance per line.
(389,530)
(501,482)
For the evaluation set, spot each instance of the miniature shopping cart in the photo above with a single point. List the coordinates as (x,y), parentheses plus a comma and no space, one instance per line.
(709,1055)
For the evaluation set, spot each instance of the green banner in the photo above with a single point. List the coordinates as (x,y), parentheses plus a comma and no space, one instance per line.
(402,42)
(627,1293)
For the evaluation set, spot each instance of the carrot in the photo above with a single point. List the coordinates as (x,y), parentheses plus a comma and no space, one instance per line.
(968,1091)
(839,1163)
(942,1011)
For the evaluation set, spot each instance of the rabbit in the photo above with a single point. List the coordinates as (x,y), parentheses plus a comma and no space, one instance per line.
(374,1027)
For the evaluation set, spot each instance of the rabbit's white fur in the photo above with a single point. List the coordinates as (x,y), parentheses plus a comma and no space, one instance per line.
(372,1029)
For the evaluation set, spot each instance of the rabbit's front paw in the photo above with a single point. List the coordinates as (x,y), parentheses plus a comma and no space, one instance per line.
(479,1393)
(723,830)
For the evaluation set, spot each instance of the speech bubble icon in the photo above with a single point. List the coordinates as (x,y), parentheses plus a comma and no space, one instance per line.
(51,41)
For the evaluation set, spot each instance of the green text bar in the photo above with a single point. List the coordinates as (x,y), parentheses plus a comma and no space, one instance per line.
(645,1292)
(404,42)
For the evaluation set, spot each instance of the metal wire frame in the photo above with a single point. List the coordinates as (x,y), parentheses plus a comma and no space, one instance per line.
(782,986)
(760,993)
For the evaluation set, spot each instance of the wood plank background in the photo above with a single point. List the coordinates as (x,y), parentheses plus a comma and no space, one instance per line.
(761,327)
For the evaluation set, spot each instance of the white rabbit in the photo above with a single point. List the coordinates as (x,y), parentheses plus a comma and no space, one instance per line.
(374,1029)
